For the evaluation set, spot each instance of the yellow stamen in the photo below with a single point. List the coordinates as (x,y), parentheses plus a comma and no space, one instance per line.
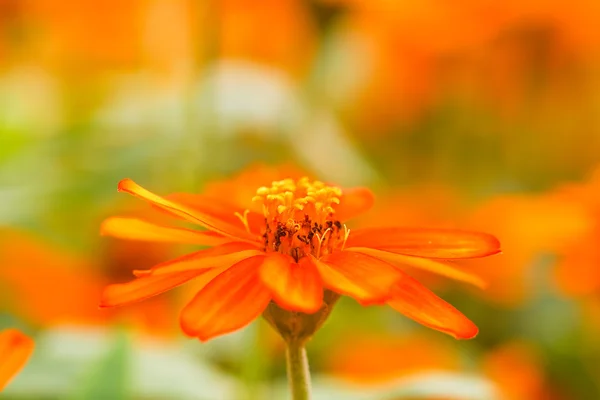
(299,216)
(321,240)
(244,218)
(286,196)
(346,234)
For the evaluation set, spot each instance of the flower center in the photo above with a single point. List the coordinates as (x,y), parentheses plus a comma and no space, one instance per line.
(299,217)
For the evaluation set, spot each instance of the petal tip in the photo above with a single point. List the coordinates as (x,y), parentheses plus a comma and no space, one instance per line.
(104,227)
(187,329)
(467,334)
(125,185)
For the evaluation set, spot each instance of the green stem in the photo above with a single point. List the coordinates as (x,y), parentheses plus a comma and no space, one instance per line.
(297,370)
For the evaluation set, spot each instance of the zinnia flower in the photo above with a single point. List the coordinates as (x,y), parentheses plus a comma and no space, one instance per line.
(291,250)
(15,349)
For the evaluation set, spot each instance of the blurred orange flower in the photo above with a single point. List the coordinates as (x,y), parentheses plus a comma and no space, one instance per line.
(15,350)
(277,33)
(379,358)
(517,371)
(514,367)
(577,272)
(405,46)
(430,205)
(90,36)
(413,55)
(49,286)
(528,226)
(288,253)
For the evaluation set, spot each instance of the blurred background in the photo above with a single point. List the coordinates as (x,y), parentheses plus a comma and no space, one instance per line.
(466,113)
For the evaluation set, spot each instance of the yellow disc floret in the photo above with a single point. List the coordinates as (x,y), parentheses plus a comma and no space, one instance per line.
(300,217)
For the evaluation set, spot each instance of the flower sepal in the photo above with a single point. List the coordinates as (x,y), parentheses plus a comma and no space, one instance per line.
(298,327)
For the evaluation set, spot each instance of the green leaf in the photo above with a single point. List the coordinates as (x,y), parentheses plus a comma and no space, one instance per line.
(109,379)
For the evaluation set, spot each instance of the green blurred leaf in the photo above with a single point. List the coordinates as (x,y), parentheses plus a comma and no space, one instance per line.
(109,379)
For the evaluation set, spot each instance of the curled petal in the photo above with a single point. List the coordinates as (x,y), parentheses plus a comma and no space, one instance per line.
(229,302)
(15,350)
(187,213)
(365,278)
(437,267)
(354,202)
(137,229)
(294,286)
(421,305)
(424,242)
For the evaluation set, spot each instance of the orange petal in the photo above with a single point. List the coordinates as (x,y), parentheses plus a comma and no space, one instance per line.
(424,242)
(354,201)
(437,267)
(229,302)
(212,206)
(187,213)
(173,273)
(423,306)
(294,286)
(15,350)
(144,287)
(225,254)
(137,229)
(363,277)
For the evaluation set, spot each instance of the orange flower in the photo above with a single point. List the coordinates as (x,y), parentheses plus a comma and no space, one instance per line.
(577,272)
(15,349)
(28,264)
(372,359)
(517,370)
(277,33)
(297,247)
(514,367)
(528,227)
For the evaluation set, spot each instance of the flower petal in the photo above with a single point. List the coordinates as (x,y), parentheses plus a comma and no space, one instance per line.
(365,278)
(144,287)
(437,267)
(137,229)
(187,213)
(294,286)
(15,350)
(424,242)
(421,305)
(229,302)
(354,201)
(220,210)
(218,256)
(173,273)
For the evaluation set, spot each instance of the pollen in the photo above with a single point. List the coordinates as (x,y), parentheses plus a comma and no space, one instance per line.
(300,217)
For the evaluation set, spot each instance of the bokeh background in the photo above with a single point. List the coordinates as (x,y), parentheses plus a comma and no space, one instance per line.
(465,113)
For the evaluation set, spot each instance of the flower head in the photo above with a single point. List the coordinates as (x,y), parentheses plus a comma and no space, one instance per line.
(290,250)
(15,349)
